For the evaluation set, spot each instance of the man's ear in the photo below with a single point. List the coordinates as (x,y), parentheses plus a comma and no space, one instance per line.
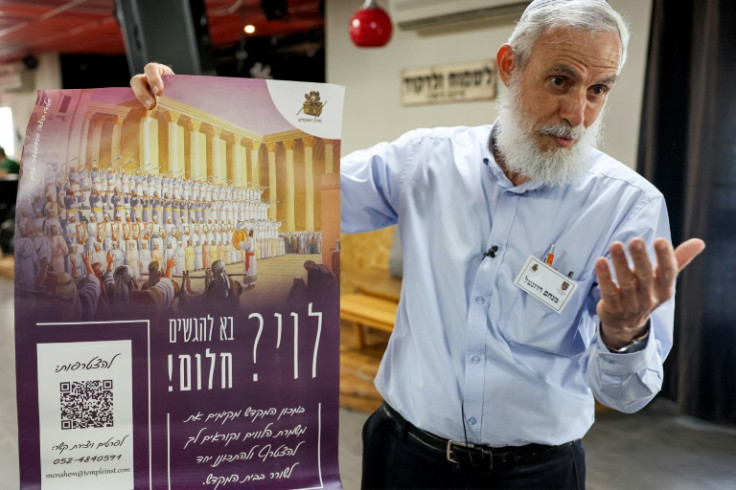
(506,63)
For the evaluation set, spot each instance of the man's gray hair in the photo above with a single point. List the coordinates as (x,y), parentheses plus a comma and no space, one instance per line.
(543,15)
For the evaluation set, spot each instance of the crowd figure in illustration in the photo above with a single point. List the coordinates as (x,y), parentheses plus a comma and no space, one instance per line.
(302,242)
(141,231)
(220,290)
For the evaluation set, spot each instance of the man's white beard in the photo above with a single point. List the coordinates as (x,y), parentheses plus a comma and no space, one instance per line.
(516,140)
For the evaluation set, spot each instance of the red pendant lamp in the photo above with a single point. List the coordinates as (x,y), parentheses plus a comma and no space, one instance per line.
(371,26)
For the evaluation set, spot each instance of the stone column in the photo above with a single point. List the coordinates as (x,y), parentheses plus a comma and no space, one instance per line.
(78,133)
(272,195)
(175,164)
(235,161)
(308,142)
(329,159)
(95,142)
(116,142)
(148,141)
(215,155)
(243,147)
(83,147)
(289,191)
(195,150)
(254,147)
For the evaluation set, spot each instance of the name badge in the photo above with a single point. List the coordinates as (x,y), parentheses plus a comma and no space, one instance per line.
(545,284)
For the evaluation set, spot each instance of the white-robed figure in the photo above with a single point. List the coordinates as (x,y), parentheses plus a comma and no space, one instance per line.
(118,256)
(170,251)
(189,256)
(243,240)
(99,256)
(70,230)
(198,257)
(104,232)
(180,259)
(144,258)
(157,255)
(156,237)
(132,258)
(91,232)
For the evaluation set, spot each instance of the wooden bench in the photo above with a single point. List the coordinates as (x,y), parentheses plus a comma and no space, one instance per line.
(367,311)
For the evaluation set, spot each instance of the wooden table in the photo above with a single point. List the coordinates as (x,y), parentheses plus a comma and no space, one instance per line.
(366,311)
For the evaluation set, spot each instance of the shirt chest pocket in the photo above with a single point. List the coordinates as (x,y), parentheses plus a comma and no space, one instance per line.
(531,323)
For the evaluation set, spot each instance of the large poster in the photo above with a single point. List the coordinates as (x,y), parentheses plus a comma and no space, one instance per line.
(177,317)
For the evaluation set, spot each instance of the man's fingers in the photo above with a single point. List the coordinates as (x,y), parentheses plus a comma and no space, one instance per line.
(625,277)
(671,262)
(609,290)
(642,265)
(154,73)
(149,84)
(687,251)
(620,263)
(140,87)
(666,269)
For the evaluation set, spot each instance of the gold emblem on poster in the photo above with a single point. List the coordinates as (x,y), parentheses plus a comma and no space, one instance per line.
(313,105)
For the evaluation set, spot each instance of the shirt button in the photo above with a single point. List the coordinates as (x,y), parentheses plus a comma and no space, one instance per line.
(475,359)
(472,421)
(480,300)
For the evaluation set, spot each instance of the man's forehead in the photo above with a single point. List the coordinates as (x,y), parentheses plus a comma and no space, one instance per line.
(597,48)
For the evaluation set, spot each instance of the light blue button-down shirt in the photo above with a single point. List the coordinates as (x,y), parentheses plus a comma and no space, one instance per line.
(471,353)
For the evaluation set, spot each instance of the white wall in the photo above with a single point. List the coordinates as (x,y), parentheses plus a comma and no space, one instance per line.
(374,113)
(372,75)
(48,77)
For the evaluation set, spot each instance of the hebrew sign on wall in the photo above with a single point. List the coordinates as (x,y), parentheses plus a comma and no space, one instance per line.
(449,83)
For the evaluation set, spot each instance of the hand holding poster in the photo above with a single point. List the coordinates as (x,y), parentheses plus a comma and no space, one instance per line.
(176,313)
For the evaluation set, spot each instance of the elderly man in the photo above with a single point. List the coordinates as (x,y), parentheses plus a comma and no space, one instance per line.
(511,318)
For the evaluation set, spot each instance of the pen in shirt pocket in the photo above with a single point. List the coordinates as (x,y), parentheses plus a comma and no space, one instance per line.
(550,256)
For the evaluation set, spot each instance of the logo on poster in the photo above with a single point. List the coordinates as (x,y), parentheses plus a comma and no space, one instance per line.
(312,106)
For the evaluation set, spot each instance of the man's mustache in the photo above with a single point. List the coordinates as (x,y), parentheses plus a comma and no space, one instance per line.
(563,130)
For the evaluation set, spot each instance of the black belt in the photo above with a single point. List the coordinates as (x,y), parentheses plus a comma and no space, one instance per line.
(476,454)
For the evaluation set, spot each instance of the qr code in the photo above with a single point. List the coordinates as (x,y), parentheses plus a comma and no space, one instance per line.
(86,404)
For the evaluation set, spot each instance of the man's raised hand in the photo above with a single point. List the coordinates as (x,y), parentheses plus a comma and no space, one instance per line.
(624,308)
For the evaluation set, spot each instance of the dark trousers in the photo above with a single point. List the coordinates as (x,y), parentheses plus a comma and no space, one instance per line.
(394,458)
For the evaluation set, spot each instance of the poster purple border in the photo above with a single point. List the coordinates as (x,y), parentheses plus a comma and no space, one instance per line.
(177,316)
